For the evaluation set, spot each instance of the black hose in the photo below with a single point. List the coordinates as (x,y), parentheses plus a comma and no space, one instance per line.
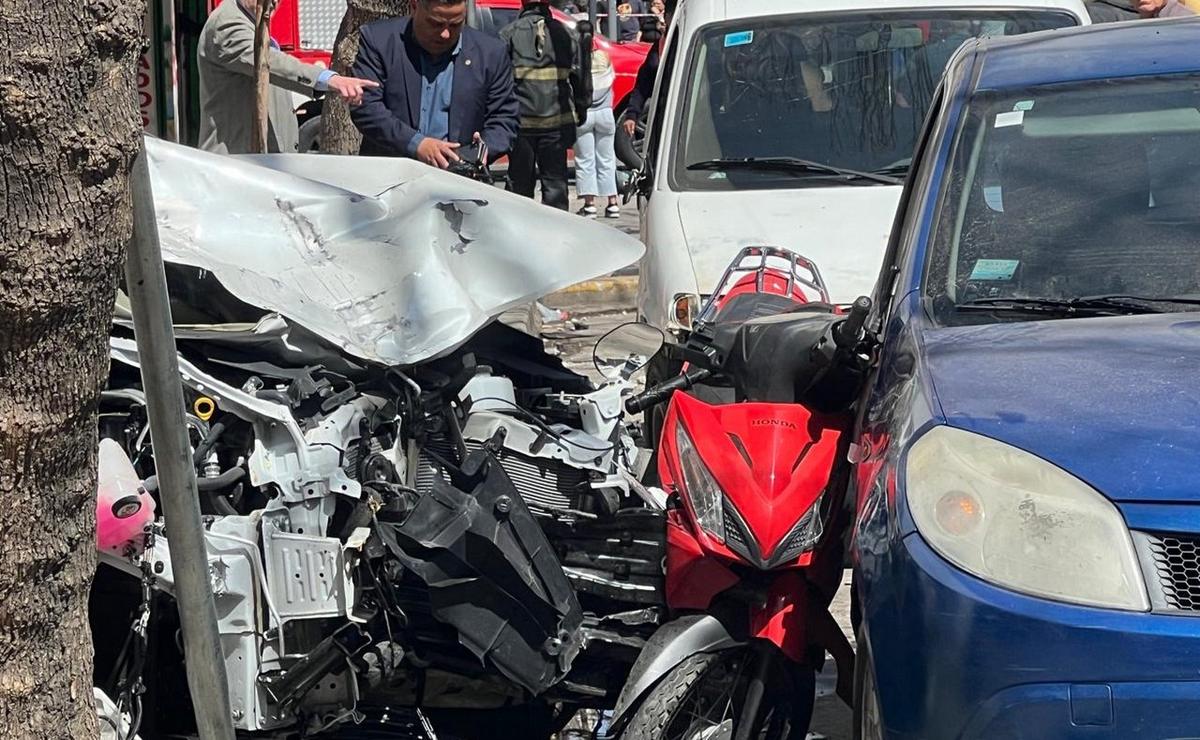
(210,439)
(220,483)
(270,394)
(220,503)
(360,516)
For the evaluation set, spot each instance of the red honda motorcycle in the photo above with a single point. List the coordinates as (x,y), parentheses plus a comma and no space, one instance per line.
(753,456)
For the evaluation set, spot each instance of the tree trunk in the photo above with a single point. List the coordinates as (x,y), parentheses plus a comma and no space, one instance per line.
(259,121)
(69,130)
(338,135)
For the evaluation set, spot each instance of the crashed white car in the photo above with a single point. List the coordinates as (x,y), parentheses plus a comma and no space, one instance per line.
(784,124)
(411,509)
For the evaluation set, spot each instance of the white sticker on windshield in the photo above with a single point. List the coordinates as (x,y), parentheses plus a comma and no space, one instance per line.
(1011,118)
(740,38)
(1024,105)
(993,195)
(994,269)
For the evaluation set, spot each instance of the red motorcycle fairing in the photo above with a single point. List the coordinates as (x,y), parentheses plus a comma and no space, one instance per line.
(783,618)
(772,461)
(694,577)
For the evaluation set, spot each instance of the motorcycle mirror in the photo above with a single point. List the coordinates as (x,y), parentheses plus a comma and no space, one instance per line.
(626,349)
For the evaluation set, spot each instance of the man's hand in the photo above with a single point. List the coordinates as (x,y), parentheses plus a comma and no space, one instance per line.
(349,89)
(437,152)
(630,127)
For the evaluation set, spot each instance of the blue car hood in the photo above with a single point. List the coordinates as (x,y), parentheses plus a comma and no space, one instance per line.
(1115,401)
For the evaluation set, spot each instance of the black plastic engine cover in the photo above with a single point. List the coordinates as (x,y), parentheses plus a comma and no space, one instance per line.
(491,573)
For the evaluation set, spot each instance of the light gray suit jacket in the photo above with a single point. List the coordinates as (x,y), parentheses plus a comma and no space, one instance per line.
(226,64)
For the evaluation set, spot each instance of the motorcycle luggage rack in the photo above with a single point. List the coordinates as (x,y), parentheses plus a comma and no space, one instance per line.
(753,260)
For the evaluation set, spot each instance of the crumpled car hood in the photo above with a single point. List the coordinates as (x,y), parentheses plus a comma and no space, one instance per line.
(389,259)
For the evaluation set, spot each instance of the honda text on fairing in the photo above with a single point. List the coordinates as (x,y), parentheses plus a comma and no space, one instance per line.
(1028,525)
(753,456)
(407,503)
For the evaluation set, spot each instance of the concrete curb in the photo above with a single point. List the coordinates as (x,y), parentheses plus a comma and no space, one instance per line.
(613,289)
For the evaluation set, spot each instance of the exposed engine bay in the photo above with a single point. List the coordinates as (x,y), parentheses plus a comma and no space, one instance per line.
(460,530)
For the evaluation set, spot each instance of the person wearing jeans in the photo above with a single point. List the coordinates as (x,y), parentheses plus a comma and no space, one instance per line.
(595,151)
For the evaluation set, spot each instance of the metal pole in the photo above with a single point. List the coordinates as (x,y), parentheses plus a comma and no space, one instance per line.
(147,285)
(593,13)
(614,23)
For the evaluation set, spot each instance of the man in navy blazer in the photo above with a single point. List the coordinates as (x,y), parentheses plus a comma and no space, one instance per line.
(441,86)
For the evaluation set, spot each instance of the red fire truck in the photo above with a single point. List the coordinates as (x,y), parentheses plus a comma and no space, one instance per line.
(168,83)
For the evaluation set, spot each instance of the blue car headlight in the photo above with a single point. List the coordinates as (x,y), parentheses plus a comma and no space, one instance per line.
(1011,518)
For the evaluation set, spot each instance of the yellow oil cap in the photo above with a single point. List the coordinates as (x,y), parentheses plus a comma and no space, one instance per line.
(204,407)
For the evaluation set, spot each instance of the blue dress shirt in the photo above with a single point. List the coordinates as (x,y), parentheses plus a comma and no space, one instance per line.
(437,87)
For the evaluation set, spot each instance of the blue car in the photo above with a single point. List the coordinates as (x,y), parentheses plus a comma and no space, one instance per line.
(1027,540)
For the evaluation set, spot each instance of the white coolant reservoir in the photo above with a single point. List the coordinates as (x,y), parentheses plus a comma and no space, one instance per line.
(123,508)
(487,392)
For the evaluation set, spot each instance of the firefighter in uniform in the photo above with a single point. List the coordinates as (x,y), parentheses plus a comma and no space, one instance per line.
(550,88)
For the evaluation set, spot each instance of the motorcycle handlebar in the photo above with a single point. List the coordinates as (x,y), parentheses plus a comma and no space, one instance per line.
(661,392)
(848,332)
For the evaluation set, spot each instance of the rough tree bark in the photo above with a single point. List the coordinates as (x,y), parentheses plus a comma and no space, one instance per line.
(338,135)
(262,77)
(69,130)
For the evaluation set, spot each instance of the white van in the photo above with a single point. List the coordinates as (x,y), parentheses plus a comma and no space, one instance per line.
(791,123)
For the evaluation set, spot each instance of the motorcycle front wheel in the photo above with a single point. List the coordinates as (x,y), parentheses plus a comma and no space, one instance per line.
(704,698)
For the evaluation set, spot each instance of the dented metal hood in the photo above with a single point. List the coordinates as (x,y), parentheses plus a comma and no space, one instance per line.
(389,259)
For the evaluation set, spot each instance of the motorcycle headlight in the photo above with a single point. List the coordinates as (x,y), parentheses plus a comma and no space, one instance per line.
(804,535)
(700,487)
(1013,519)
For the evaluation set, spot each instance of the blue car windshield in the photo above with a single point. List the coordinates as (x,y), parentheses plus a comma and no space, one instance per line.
(1071,200)
(847,89)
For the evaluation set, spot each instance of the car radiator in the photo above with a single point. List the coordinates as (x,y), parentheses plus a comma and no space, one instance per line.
(549,487)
